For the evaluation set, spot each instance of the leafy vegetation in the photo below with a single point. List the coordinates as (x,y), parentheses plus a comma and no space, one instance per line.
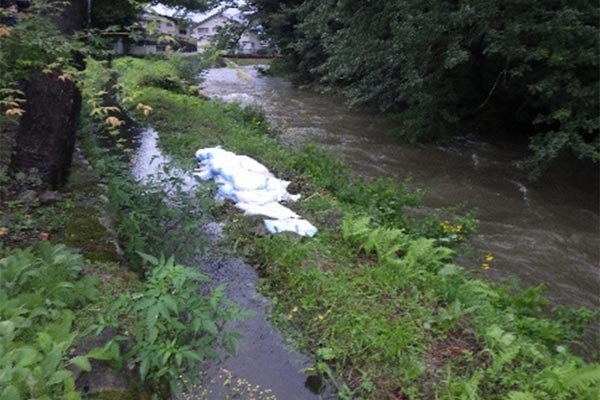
(50,296)
(375,295)
(39,288)
(514,69)
(175,327)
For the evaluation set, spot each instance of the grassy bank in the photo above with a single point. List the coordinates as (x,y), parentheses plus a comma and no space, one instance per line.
(375,296)
(85,311)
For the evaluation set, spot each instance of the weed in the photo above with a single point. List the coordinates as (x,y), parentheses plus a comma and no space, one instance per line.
(175,327)
(39,287)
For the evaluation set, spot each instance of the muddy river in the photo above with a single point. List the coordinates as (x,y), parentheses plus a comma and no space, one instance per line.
(542,233)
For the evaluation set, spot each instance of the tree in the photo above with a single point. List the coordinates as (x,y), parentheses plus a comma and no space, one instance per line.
(46,133)
(40,51)
(513,68)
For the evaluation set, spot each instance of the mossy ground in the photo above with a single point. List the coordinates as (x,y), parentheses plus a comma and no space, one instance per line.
(375,296)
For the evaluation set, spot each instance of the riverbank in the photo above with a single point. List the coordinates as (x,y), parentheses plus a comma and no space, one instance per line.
(542,233)
(374,296)
(85,310)
(60,266)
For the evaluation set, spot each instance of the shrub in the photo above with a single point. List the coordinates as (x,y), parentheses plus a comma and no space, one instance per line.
(512,68)
(176,327)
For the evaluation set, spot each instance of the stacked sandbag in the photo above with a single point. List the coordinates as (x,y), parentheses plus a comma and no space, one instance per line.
(252,188)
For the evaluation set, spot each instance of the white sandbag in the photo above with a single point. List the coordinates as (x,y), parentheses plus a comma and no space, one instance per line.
(242,179)
(298,226)
(252,165)
(252,188)
(203,174)
(211,152)
(260,196)
(271,210)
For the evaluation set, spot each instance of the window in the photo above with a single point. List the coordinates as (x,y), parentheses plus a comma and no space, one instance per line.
(202,30)
(182,32)
(169,24)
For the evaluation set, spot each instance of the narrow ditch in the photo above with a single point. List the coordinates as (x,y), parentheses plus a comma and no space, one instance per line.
(266,367)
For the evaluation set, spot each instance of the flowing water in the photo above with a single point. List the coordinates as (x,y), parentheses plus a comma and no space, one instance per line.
(544,233)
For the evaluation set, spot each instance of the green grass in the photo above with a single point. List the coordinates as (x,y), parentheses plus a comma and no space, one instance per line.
(375,296)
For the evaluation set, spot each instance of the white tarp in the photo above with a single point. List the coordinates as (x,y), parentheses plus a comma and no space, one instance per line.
(252,188)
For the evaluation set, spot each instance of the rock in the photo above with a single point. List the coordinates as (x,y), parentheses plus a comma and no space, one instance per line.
(213,232)
(29,196)
(49,197)
(291,236)
(102,378)
(260,229)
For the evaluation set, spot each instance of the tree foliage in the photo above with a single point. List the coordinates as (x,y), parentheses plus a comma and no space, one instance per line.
(527,68)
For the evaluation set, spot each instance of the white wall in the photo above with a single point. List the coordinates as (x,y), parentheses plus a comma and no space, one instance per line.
(205,32)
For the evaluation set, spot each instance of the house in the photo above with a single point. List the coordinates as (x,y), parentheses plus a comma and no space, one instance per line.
(207,27)
(166,25)
(153,25)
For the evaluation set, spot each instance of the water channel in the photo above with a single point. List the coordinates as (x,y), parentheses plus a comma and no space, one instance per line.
(542,233)
(266,366)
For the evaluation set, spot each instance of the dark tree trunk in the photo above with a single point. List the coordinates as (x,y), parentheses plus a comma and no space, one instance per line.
(46,134)
(74,18)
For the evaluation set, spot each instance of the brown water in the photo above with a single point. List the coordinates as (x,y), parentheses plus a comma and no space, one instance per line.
(545,233)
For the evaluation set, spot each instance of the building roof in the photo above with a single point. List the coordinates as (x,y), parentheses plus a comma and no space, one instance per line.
(232,14)
(157,14)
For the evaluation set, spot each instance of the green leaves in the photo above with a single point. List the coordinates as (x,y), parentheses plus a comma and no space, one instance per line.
(176,327)
(82,362)
(455,67)
(37,287)
(10,393)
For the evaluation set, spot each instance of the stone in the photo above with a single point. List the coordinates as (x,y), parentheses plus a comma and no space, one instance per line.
(102,378)
(29,196)
(49,197)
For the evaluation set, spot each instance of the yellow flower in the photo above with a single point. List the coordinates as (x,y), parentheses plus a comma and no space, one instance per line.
(295,309)
(147,110)
(65,77)
(321,317)
(485,266)
(489,257)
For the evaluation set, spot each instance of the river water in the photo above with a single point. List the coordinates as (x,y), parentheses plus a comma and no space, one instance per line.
(544,233)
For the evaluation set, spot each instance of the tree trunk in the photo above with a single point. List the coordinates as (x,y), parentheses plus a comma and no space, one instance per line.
(46,134)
